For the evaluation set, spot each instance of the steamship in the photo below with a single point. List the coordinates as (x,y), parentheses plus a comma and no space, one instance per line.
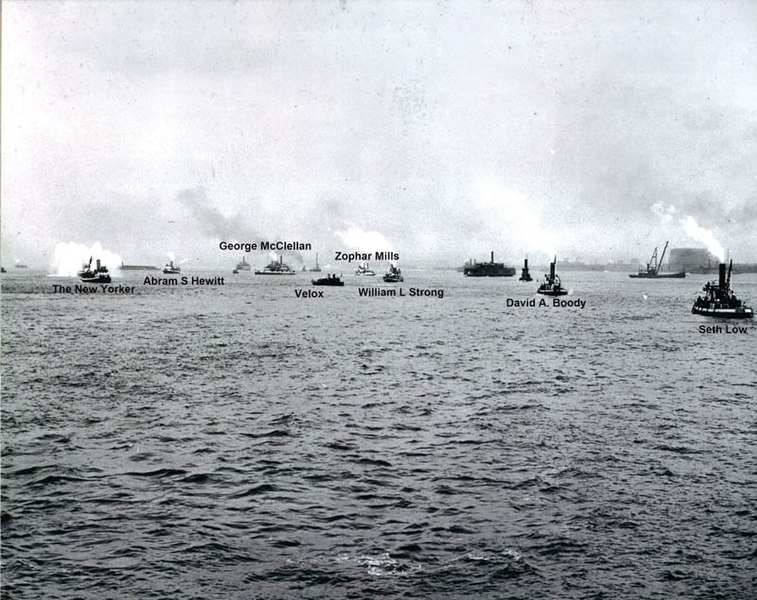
(490,269)
(364,270)
(277,267)
(99,275)
(551,285)
(171,269)
(243,265)
(719,300)
(653,269)
(524,274)
(332,280)
(394,275)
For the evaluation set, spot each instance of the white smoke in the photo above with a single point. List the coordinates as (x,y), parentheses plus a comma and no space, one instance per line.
(665,213)
(510,212)
(700,234)
(692,229)
(171,256)
(365,241)
(68,258)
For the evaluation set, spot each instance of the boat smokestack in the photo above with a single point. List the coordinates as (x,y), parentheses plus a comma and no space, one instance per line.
(98,265)
(551,270)
(492,255)
(525,264)
(721,281)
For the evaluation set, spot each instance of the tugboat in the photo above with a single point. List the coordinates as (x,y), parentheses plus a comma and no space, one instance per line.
(653,269)
(276,267)
(490,269)
(551,285)
(720,301)
(317,269)
(330,279)
(364,270)
(394,275)
(99,275)
(524,274)
(243,266)
(171,269)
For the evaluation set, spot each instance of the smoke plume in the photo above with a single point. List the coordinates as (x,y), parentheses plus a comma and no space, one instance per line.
(68,258)
(700,234)
(365,241)
(212,222)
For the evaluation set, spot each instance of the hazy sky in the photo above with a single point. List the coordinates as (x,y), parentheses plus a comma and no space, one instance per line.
(590,129)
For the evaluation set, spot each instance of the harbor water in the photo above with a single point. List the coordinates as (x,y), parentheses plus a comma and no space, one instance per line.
(237,441)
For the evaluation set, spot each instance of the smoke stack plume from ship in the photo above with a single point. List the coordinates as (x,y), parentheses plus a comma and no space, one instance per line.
(705,236)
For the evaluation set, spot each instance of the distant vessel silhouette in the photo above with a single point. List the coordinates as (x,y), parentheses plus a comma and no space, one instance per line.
(653,268)
(124,267)
(490,269)
(316,269)
(243,265)
(524,274)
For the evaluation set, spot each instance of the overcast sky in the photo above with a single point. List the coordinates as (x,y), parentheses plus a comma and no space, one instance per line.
(590,129)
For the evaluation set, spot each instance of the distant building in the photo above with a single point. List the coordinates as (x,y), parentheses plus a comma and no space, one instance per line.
(691,260)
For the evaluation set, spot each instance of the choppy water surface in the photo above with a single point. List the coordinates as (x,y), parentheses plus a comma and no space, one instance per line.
(239,442)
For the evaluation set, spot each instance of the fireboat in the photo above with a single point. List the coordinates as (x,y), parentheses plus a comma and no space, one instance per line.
(99,274)
(720,301)
(551,285)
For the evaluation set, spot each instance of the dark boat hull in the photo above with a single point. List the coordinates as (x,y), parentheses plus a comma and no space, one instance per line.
(96,279)
(484,270)
(680,275)
(328,282)
(138,268)
(560,292)
(742,312)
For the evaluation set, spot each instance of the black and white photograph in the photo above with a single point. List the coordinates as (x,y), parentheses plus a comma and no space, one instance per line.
(358,299)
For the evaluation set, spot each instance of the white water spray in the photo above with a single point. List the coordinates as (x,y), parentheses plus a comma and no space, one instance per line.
(69,257)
